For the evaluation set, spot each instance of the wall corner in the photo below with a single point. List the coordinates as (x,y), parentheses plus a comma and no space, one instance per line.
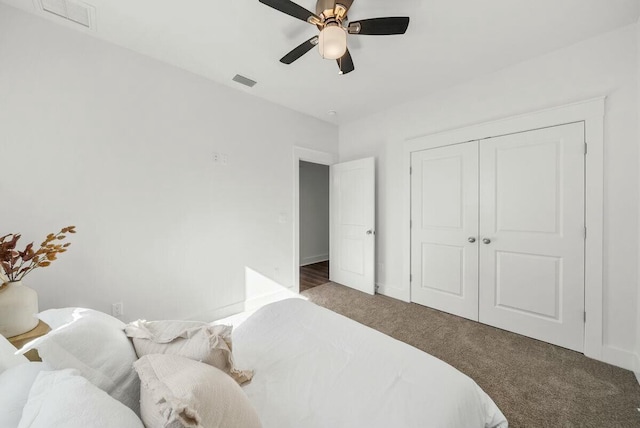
(637,368)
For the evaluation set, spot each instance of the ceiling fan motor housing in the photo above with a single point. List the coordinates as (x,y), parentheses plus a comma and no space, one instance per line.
(325,8)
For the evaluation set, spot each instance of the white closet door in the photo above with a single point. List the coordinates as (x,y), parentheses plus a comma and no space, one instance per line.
(444,217)
(532,234)
(353,210)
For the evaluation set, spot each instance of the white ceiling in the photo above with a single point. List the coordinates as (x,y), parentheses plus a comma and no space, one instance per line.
(448,42)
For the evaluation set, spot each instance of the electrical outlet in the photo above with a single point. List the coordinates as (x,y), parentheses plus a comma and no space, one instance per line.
(216,158)
(117,309)
(224,159)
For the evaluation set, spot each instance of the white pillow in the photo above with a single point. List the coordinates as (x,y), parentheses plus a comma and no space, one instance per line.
(65,399)
(15,384)
(56,318)
(93,343)
(210,344)
(178,392)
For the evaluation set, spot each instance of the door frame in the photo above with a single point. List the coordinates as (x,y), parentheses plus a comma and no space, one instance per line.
(306,155)
(591,112)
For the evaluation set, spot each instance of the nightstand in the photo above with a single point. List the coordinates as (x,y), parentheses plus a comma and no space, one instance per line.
(20,340)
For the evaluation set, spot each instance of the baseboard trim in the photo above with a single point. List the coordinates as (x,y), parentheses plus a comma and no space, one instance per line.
(260,301)
(248,305)
(219,313)
(305,261)
(620,357)
(393,292)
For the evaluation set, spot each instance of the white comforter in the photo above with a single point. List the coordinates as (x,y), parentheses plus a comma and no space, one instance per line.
(317,369)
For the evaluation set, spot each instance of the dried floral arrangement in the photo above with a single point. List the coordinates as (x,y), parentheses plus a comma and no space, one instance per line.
(17,264)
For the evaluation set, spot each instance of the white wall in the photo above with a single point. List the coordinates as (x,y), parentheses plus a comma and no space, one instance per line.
(605,65)
(122,146)
(314,213)
(638,307)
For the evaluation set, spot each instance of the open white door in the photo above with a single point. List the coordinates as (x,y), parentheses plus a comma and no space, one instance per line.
(352,224)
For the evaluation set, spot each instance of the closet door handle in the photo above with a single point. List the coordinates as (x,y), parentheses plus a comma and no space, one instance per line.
(487,241)
(471,239)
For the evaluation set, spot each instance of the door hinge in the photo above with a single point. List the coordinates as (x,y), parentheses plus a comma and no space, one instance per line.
(410,170)
(585,316)
(585,232)
(410,277)
(585,148)
(410,224)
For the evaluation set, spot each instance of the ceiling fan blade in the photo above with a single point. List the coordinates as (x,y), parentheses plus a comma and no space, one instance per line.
(291,9)
(299,51)
(346,63)
(379,26)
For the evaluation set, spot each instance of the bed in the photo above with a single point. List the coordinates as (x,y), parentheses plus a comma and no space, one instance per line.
(314,368)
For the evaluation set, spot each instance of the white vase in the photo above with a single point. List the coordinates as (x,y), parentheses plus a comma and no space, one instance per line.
(18,309)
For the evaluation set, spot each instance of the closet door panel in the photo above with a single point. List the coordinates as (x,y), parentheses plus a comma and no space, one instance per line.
(444,217)
(532,234)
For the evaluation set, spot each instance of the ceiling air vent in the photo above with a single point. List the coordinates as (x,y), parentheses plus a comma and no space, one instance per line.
(244,81)
(75,12)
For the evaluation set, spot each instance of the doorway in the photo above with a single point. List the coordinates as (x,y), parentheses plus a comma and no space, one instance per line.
(351,219)
(313,224)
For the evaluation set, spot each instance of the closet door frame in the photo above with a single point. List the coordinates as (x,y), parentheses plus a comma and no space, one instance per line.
(591,113)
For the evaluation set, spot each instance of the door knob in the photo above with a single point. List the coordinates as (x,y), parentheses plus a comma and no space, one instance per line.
(486,241)
(471,239)
(369,232)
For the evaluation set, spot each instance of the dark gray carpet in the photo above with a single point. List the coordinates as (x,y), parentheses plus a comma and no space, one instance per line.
(535,384)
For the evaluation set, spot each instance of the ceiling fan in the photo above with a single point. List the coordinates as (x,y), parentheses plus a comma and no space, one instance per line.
(331,19)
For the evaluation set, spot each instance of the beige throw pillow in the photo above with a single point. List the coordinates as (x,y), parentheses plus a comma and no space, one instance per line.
(177,392)
(191,339)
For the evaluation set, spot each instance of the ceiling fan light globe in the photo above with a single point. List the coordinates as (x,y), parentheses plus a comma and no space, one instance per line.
(332,43)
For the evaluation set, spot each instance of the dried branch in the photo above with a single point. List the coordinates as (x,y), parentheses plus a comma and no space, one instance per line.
(17,264)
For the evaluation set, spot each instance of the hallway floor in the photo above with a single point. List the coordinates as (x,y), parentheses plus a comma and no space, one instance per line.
(313,275)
